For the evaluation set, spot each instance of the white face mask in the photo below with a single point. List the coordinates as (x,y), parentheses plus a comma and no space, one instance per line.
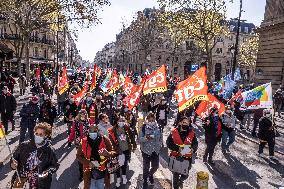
(93,135)
(152,124)
(121,124)
(38,139)
(89,98)
(268,115)
(107,106)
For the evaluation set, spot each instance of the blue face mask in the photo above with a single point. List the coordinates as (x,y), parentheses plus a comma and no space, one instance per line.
(93,135)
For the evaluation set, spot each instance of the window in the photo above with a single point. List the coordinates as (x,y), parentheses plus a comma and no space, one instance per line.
(35,52)
(232,27)
(246,29)
(219,50)
(231,37)
(45,54)
(244,39)
(220,39)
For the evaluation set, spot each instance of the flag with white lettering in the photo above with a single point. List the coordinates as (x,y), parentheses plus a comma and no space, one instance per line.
(156,81)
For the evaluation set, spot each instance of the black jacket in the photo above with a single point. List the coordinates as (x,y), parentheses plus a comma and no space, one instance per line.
(7,103)
(48,161)
(211,130)
(29,114)
(172,146)
(69,109)
(266,131)
(47,113)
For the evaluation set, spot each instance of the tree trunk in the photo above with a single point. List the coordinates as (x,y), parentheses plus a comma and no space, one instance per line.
(27,58)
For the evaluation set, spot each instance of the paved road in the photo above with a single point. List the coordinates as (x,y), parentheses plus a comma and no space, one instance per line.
(242,169)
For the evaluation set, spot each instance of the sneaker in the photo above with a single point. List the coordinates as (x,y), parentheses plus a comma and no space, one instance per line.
(211,162)
(124,179)
(118,182)
(261,155)
(272,158)
(228,151)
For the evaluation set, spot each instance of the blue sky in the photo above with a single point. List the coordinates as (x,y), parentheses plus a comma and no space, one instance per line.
(93,39)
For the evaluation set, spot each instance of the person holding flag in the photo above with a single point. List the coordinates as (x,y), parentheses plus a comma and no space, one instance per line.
(228,130)
(213,134)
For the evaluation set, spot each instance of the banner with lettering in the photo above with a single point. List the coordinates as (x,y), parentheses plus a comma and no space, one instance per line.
(113,84)
(133,99)
(206,105)
(156,81)
(63,84)
(128,86)
(192,89)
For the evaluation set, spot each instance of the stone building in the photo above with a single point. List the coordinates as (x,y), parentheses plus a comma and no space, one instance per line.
(270,59)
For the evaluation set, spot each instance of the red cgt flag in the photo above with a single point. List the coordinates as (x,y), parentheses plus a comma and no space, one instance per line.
(128,86)
(205,106)
(78,97)
(63,84)
(94,78)
(113,84)
(156,81)
(192,89)
(133,99)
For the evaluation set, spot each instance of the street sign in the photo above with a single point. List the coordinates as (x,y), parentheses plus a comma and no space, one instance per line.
(194,67)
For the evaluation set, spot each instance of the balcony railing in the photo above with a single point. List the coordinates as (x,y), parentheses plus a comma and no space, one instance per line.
(32,38)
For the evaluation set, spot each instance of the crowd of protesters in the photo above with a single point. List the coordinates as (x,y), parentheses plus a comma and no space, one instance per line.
(105,131)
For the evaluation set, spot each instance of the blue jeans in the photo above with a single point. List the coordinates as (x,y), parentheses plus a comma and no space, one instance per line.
(227,138)
(97,184)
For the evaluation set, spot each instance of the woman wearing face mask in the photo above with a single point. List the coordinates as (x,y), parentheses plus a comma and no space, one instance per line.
(104,124)
(228,130)
(123,141)
(162,111)
(93,153)
(266,134)
(36,161)
(80,127)
(183,143)
(213,134)
(150,138)
(89,105)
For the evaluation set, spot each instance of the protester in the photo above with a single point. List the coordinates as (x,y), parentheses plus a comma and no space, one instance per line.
(266,134)
(8,106)
(89,105)
(104,124)
(61,98)
(213,129)
(123,141)
(35,160)
(70,111)
(79,129)
(258,113)
(183,144)
(150,138)
(93,153)
(22,84)
(48,111)
(228,130)
(29,115)
(162,111)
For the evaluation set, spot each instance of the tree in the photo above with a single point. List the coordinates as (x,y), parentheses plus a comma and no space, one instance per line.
(30,15)
(200,20)
(248,53)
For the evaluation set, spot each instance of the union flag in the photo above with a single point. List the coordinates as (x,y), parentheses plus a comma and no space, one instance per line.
(63,84)
(156,81)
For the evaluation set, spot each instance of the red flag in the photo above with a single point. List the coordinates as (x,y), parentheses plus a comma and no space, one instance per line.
(113,84)
(63,84)
(192,89)
(156,81)
(205,106)
(78,97)
(94,79)
(133,99)
(38,73)
(128,86)
(237,96)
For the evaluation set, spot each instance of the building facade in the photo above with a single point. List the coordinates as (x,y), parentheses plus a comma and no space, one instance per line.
(270,59)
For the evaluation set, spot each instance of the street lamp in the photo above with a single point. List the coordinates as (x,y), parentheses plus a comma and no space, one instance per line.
(232,59)
(237,40)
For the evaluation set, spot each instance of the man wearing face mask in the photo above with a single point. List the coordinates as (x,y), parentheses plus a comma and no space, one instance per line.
(162,111)
(213,134)
(29,115)
(150,138)
(8,106)
(89,105)
(93,153)
(123,141)
(36,160)
(70,111)
(266,134)
(183,143)
(228,130)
